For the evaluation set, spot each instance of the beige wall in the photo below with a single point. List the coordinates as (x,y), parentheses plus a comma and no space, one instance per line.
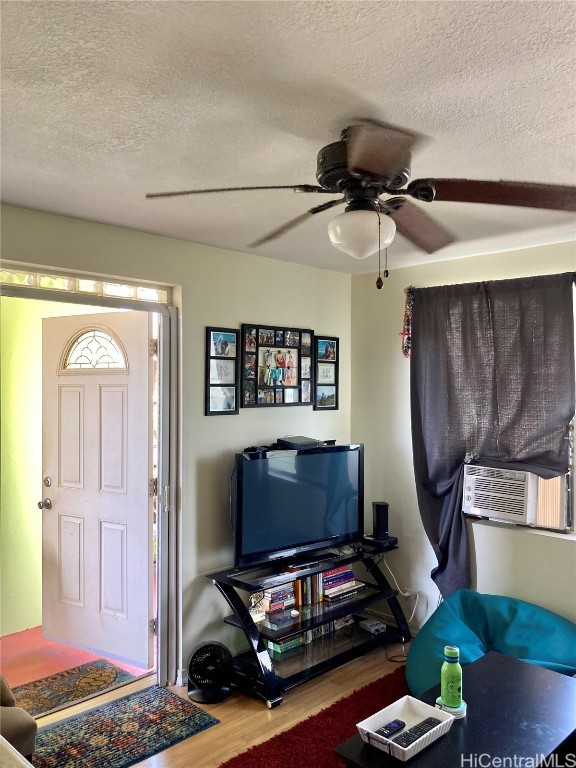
(220,288)
(226,288)
(521,562)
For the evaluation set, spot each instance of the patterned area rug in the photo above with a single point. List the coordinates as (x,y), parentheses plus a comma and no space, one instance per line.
(64,688)
(121,733)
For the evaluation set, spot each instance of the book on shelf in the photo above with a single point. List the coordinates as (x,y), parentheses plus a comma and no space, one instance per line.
(282,589)
(279,606)
(286,585)
(343,621)
(310,635)
(298,591)
(346,586)
(344,595)
(266,601)
(278,594)
(273,605)
(279,655)
(342,579)
(279,619)
(341,598)
(277,599)
(307,590)
(348,573)
(281,646)
(317,587)
(323,629)
(336,571)
(327,588)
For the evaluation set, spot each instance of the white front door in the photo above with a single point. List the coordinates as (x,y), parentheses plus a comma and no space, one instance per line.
(97,467)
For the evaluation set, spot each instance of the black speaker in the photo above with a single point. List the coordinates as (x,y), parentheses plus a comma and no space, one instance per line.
(380,520)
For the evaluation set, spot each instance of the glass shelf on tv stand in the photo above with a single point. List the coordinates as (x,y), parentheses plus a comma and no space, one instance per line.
(282,625)
(297,666)
(266,674)
(258,577)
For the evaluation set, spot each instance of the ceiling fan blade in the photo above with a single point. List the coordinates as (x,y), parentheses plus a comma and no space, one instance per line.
(379,150)
(295,187)
(523,194)
(294,222)
(419,228)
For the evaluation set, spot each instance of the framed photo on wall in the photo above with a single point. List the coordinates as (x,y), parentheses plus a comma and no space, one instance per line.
(276,367)
(222,372)
(326,353)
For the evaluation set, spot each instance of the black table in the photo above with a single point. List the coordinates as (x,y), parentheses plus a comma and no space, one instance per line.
(515,709)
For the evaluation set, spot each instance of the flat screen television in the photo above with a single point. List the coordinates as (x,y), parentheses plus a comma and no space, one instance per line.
(287,503)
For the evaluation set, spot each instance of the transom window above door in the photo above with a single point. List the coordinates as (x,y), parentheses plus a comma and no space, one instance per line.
(13,275)
(95,349)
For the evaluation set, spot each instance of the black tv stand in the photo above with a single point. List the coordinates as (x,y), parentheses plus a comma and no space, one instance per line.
(320,558)
(266,674)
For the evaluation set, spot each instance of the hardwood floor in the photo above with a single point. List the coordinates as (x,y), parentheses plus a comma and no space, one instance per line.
(245,722)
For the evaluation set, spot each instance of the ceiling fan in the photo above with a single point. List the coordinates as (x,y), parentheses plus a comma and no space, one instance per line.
(372,159)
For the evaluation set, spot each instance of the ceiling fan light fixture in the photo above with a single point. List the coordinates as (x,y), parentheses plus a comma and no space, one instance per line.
(356,233)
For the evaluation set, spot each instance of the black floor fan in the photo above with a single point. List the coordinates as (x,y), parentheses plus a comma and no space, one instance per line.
(210,673)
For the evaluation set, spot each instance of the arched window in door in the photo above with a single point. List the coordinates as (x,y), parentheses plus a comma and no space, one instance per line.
(95,349)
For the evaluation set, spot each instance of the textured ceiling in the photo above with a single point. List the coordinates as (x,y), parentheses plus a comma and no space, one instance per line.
(105,101)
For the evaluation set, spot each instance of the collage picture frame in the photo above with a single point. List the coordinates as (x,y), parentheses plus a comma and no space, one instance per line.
(277,366)
(222,372)
(326,354)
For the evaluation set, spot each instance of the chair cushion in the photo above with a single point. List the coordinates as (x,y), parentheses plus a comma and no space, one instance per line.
(478,623)
(16,725)
(6,696)
(19,728)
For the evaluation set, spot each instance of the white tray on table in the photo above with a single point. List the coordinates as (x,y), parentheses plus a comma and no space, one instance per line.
(411,711)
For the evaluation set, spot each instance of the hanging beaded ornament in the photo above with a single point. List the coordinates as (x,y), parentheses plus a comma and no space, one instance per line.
(406,332)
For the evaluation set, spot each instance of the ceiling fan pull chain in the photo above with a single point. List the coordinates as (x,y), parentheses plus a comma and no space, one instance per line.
(379,281)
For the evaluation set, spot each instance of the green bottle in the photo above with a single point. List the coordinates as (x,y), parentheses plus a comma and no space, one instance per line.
(451,678)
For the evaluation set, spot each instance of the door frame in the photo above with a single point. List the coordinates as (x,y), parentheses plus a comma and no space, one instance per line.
(168,603)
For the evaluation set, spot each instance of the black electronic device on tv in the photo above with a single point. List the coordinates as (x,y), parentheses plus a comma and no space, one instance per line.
(298,442)
(288,503)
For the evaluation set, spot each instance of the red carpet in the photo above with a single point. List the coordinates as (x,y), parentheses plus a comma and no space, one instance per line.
(310,743)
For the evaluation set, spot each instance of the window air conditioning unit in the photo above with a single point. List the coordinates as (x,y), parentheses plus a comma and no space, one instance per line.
(517,497)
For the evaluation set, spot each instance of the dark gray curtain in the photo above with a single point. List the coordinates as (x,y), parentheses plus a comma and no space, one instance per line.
(491,373)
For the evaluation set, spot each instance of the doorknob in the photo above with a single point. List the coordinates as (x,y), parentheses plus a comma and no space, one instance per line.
(45,504)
